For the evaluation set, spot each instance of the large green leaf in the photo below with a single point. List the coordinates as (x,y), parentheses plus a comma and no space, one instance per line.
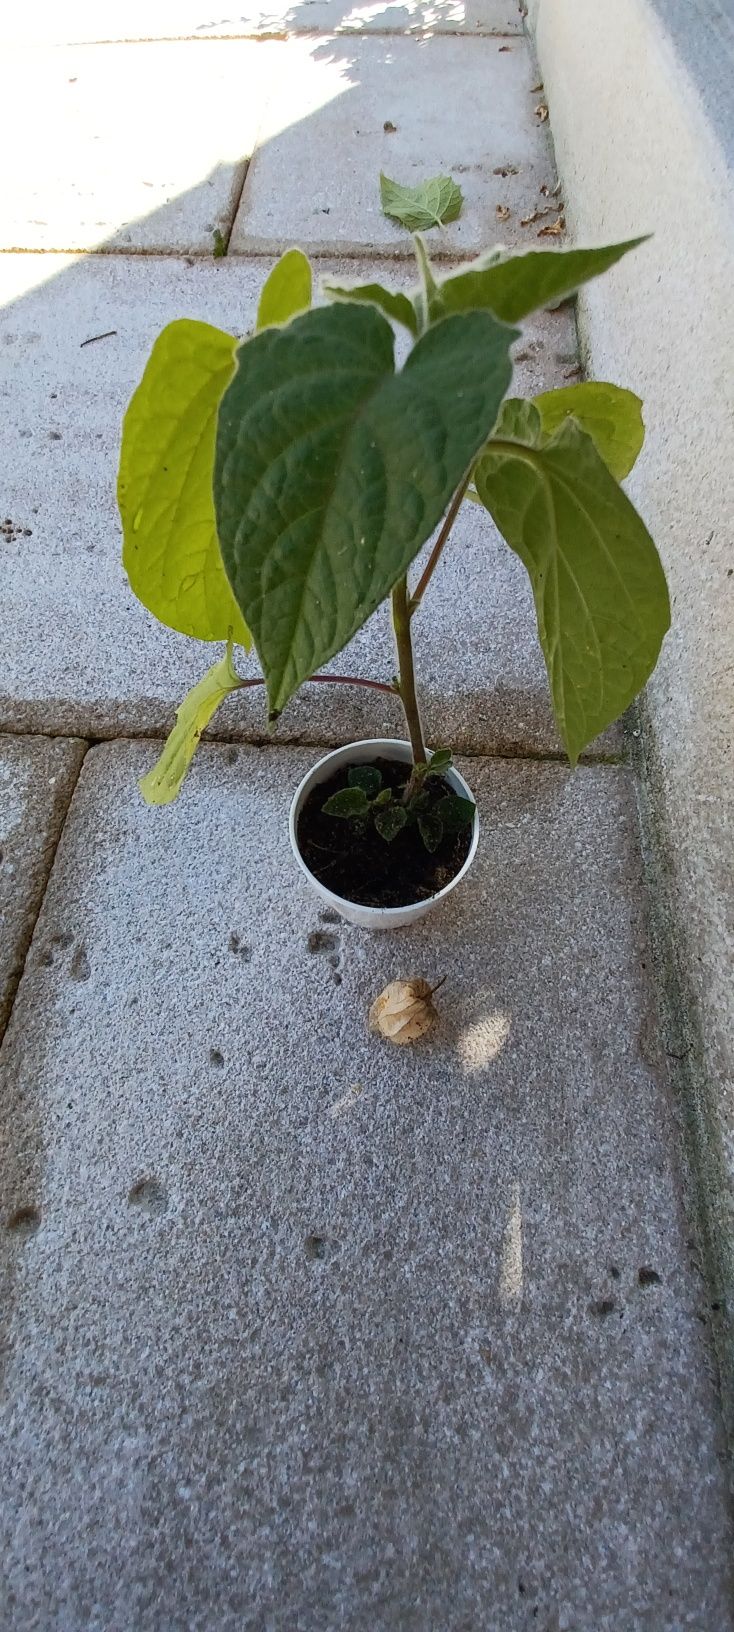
(611,416)
(521,284)
(286,290)
(331,470)
(430,204)
(600,592)
(163,784)
(164,490)
(395,305)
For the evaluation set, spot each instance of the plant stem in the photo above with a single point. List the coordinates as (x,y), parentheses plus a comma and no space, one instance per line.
(401,625)
(437,551)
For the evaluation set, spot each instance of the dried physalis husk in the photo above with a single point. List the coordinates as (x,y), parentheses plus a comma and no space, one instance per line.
(404,1011)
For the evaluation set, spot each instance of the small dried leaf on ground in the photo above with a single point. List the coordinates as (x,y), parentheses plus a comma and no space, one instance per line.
(389,127)
(541,112)
(505,170)
(535,88)
(502,48)
(537,215)
(553,229)
(502,212)
(404,1011)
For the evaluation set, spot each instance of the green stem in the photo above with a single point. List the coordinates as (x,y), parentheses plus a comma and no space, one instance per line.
(406,671)
(437,551)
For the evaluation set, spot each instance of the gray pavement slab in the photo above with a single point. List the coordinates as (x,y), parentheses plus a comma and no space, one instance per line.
(139,147)
(77,651)
(305,1332)
(37,777)
(459,106)
(84,21)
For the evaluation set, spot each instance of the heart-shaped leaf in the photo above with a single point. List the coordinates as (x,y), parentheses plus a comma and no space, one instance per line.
(331,470)
(430,204)
(600,593)
(170,547)
(455,812)
(430,828)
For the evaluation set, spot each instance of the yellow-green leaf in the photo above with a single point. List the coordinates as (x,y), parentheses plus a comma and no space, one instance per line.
(611,416)
(600,593)
(164,490)
(163,784)
(286,290)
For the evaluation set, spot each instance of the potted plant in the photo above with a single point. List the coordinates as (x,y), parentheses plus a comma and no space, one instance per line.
(275,491)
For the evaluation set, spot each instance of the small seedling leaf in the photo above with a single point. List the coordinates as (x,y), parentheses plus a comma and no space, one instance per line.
(390,821)
(366,777)
(286,290)
(347,802)
(439,761)
(395,306)
(430,204)
(431,830)
(163,784)
(600,593)
(455,812)
(164,488)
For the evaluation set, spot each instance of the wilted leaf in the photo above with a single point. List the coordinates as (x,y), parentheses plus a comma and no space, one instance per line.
(505,170)
(430,204)
(537,215)
(395,305)
(502,212)
(331,470)
(163,784)
(542,112)
(286,290)
(553,229)
(164,488)
(389,128)
(404,1011)
(600,593)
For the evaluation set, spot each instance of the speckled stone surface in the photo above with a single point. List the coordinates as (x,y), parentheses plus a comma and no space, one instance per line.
(140,147)
(37,777)
(459,106)
(302,1332)
(85,20)
(104,665)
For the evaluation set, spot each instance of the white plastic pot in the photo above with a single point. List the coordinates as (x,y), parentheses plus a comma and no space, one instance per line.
(360,753)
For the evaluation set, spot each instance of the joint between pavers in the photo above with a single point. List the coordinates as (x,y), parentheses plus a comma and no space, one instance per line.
(709,1198)
(16,980)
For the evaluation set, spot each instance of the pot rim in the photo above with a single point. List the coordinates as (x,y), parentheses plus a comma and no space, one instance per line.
(378,744)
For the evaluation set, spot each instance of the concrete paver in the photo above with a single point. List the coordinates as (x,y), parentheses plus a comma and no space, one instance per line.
(314,178)
(110,667)
(37,777)
(81,21)
(305,1331)
(140,147)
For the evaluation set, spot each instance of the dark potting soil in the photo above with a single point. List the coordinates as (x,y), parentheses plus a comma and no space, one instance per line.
(356,863)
